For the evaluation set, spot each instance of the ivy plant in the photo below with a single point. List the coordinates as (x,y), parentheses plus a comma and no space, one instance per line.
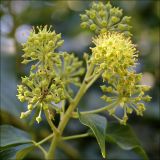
(46,89)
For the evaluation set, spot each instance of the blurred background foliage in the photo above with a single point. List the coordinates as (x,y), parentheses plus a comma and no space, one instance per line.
(17,18)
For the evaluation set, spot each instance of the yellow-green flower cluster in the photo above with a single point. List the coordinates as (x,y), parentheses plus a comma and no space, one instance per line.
(43,86)
(70,70)
(116,56)
(113,52)
(103,17)
(126,91)
(40,46)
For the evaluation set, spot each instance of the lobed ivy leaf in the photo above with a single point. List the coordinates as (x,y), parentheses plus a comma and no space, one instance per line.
(11,136)
(125,138)
(98,125)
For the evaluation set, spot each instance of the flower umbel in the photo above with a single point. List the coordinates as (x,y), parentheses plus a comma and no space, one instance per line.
(127,92)
(70,70)
(43,86)
(101,18)
(113,52)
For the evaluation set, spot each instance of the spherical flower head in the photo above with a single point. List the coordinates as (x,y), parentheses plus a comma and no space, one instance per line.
(41,43)
(128,94)
(40,90)
(101,17)
(73,69)
(113,51)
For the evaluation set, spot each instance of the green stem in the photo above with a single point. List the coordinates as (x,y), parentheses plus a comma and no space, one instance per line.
(46,139)
(69,111)
(41,148)
(106,108)
(69,150)
(54,129)
(76,136)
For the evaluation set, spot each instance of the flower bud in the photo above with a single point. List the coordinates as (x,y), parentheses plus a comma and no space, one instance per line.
(25,114)
(38,119)
(93,27)
(92,14)
(60,43)
(30,106)
(83,17)
(84,25)
(51,43)
(49,98)
(115,19)
(104,23)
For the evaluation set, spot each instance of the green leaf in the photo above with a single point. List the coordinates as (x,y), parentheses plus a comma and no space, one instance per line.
(98,126)
(125,138)
(9,101)
(22,153)
(11,136)
(10,153)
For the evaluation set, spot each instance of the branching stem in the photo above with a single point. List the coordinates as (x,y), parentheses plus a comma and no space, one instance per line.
(53,127)
(76,136)
(85,85)
(75,114)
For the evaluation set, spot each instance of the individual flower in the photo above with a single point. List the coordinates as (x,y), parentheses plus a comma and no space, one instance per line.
(113,52)
(128,94)
(103,17)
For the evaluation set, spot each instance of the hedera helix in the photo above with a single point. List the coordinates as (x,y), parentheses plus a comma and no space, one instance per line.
(113,58)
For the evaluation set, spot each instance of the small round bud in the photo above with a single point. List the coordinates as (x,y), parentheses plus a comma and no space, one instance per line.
(33,67)
(84,25)
(84,17)
(129,110)
(92,14)
(51,43)
(108,6)
(114,19)
(36,42)
(34,100)
(126,19)
(147,98)
(44,83)
(38,119)
(102,13)
(45,107)
(25,61)
(93,27)
(60,43)
(104,23)
(103,30)
(25,114)
(122,27)
(37,90)
(30,107)
(26,93)
(112,111)
(58,36)
(49,98)
(21,98)
(53,86)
